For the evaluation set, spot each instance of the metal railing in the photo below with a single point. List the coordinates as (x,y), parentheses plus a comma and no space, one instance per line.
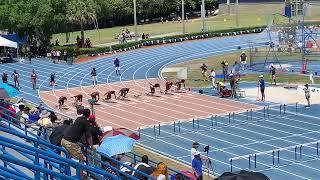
(40,142)
(42,170)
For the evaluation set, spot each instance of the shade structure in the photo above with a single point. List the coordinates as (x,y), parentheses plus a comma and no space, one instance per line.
(118,131)
(7,43)
(243,175)
(115,145)
(8,91)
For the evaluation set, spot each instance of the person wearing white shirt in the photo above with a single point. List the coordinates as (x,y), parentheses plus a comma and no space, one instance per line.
(243,60)
(311,77)
(212,76)
(194,148)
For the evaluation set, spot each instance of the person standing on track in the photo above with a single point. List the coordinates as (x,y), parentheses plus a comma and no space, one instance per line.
(243,60)
(30,56)
(262,87)
(213,78)
(233,85)
(5,77)
(117,66)
(273,74)
(94,77)
(52,79)
(307,94)
(204,69)
(34,79)
(15,77)
(236,70)
(225,69)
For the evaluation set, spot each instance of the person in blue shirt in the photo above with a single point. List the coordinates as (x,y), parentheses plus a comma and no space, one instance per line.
(236,70)
(197,165)
(262,87)
(117,66)
(52,79)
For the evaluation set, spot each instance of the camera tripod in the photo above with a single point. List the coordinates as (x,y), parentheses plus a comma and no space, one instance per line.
(208,162)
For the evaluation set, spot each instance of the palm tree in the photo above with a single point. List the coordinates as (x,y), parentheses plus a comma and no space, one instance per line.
(81,12)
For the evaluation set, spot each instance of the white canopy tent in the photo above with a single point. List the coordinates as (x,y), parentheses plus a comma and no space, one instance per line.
(7,43)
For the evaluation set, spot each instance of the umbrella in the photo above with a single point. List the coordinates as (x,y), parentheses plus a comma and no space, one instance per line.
(115,145)
(8,91)
(186,175)
(4,94)
(243,175)
(118,131)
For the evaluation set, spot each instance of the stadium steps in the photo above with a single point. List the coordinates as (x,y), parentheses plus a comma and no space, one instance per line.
(16,143)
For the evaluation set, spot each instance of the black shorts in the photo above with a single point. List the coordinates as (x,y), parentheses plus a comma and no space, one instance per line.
(262,90)
(152,90)
(61,101)
(79,98)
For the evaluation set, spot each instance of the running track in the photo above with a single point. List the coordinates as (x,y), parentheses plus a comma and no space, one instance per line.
(135,65)
(147,64)
(144,111)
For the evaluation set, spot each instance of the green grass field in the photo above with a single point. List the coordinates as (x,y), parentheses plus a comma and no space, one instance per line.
(108,35)
(250,15)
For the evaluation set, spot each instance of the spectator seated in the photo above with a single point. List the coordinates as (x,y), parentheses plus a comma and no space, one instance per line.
(143,166)
(33,116)
(122,165)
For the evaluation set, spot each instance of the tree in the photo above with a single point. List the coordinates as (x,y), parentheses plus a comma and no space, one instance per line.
(81,12)
(38,19)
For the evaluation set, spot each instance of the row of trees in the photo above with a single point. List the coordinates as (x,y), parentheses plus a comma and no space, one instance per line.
(39,19)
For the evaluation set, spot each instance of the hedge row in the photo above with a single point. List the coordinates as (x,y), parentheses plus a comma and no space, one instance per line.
(97,51)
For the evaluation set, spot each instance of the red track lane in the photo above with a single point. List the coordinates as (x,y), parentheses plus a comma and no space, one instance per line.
(145,110)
